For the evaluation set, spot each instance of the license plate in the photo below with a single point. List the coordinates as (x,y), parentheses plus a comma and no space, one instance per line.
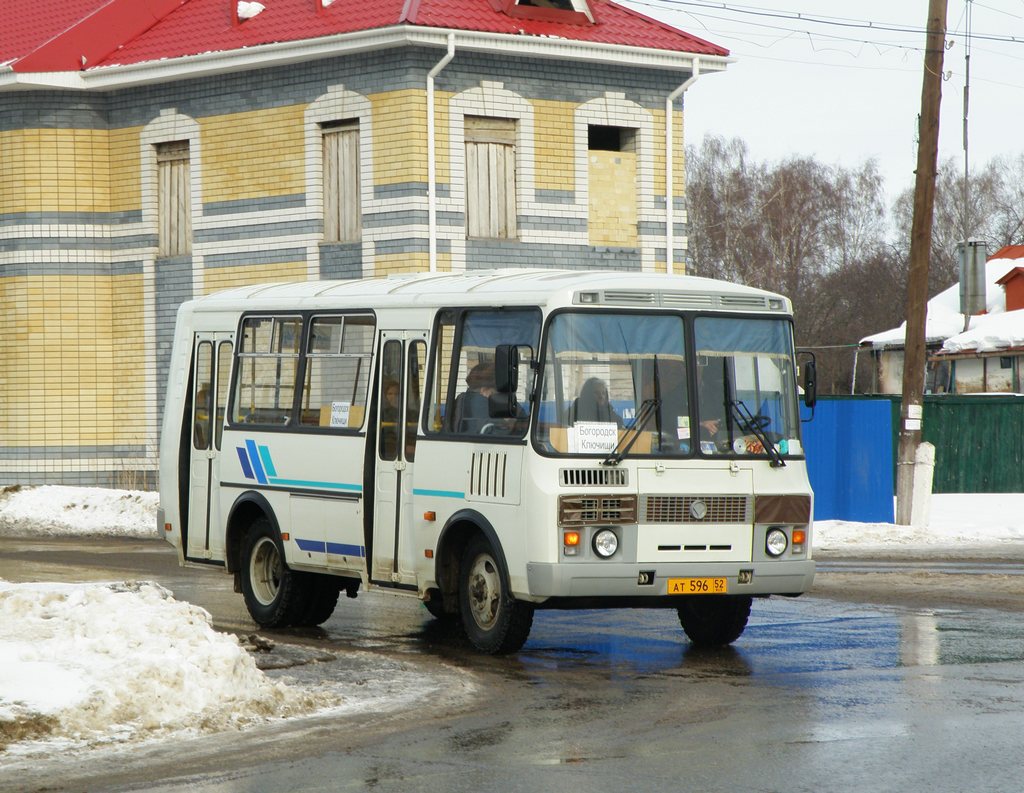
(697,586)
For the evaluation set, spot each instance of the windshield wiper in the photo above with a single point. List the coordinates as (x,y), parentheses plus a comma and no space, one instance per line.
(748,422)
(755,426)
(648,409)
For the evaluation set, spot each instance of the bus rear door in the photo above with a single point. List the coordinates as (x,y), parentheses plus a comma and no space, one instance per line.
(399,399)
(210,379)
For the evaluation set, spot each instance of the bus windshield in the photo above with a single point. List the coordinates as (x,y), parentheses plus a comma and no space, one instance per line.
(736,393)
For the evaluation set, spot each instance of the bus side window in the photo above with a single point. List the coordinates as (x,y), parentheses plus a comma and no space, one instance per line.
(202,417)
(390,417)
(337,371)
(414,395)
(223,379)
(267,370)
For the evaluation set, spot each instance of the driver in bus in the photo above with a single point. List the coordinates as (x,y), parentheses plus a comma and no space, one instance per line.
(471,412)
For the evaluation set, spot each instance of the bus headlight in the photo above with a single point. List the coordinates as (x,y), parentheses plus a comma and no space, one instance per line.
(606,543)
(776,542)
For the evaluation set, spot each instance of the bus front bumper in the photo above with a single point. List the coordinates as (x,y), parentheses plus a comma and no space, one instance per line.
(638,581)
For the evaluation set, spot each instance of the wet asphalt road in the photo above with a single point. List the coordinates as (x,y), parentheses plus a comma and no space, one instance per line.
(818,695)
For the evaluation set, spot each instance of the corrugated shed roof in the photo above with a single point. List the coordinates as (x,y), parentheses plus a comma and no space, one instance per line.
(49,35)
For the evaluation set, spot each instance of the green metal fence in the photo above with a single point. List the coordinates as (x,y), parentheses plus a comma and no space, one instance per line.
(979,442)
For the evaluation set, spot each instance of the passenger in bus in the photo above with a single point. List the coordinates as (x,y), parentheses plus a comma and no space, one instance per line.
(471,412)
(390,410)
(593,404)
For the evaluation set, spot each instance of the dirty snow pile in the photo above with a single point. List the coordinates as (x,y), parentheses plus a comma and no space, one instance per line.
(57,510)
(100,663)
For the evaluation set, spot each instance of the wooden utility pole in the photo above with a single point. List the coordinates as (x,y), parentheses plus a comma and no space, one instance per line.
(920,247)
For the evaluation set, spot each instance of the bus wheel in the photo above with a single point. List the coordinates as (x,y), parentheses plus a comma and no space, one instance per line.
(323,592)
(714,620)
(494,621)
(274,595)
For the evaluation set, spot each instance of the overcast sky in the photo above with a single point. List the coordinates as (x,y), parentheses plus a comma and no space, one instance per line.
(827,79)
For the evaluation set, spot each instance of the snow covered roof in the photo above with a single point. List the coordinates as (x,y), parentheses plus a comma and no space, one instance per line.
(79,36)
(944,320)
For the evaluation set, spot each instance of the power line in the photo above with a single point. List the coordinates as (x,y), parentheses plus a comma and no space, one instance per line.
(816,19)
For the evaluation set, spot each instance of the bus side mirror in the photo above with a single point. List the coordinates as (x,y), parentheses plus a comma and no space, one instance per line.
(506,368)
(810,381)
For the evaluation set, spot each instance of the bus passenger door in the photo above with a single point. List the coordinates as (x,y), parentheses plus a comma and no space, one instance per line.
(212,362)
(399,399)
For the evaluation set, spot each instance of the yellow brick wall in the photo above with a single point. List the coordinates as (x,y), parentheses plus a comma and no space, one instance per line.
(418,262)
(60,373)
(131,367)
(553,127)
(256,154)
(55,170)
(216,279)
(125,169)
(399,137)
(613,214)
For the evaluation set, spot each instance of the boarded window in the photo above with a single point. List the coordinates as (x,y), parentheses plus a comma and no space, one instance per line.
(490,177)
(174,201)
(342,206)
(613,186)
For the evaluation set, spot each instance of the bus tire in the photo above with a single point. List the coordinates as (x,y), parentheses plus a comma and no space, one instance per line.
(274,595)
(322,599)
(714,620)
(494,621)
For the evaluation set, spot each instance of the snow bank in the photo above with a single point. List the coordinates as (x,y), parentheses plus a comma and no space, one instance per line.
(53,510)
(966,520)
(85,664)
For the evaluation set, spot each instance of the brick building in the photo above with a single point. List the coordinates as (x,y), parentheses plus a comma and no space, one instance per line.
(156,150)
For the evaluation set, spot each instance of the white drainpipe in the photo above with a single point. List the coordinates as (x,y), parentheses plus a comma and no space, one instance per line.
(669,198)
(432,153)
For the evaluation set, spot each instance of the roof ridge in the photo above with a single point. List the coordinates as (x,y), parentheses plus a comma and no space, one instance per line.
(96,35)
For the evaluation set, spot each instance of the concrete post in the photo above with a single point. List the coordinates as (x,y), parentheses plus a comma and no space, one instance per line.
(924,468)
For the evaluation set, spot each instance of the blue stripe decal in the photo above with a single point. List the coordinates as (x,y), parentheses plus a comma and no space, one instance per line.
(254,458)
(268,464)
(243,458)
(343,549)
(313,546)
(439,493)
(310,483)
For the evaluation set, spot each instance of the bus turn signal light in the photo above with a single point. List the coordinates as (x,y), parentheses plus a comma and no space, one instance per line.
(571,541)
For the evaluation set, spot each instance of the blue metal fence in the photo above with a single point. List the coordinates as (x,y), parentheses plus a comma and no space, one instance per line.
(849,447)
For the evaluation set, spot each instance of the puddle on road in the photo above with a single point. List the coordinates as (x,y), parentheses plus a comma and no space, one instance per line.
(784,637)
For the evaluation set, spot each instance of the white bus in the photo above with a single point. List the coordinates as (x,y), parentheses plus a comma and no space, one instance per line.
(491,443)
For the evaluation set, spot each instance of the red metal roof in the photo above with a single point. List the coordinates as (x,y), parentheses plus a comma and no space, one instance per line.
(53,35)
(1009,252)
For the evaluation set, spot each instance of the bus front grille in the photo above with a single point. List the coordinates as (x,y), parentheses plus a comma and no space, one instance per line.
(587,477)
(696,509)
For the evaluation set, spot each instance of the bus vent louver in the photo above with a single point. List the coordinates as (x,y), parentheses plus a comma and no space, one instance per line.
(631,298)
(687,300)
(601,477)
(680,509)
(744,301)
(487,474)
